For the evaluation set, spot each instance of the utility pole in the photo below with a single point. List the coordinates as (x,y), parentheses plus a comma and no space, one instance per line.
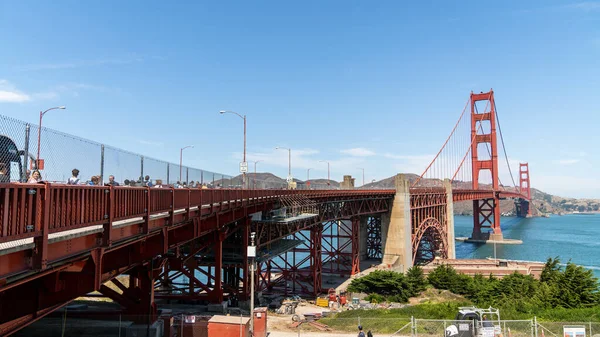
(255,162)
(42,113)
(243,164)
(328,180)
(252,255)
(363,172)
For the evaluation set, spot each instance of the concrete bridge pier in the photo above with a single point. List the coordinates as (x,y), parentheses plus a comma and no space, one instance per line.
(396,229)
(522,208)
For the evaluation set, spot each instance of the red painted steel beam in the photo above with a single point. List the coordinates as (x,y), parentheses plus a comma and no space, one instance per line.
(121,249)
(355,245)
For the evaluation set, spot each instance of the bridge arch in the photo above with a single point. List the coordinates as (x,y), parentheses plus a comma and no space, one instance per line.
(430,238)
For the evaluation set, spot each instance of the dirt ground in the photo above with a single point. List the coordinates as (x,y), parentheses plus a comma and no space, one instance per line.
(282,323)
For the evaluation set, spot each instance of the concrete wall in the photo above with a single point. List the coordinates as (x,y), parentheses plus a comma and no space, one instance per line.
(347,183)
(396,229)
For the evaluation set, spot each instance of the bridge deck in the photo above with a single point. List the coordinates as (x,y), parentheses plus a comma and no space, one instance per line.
(52,213)
(72,221)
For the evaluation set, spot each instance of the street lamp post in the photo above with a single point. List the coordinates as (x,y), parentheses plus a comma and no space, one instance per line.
(328,180)
(255,162)
(252,255)
(37,160)
(363,175)
(244,160)
(181,159)
(289,162)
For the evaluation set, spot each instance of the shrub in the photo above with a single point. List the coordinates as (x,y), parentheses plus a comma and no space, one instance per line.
(382,282)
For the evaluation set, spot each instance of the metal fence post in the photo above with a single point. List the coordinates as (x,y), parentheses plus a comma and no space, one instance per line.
(25,155)
(102,164)
(168,173)
(591,334)
(413,326)
(64,323)
(142,169)
(535,326)
(187,175)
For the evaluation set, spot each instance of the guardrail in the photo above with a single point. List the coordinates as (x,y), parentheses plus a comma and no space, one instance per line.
(26,210)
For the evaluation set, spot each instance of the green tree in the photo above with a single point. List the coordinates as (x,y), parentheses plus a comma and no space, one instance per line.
(443,277)
(478,289)
(551,271)
(578,287)
(462,284)
(392,285)
(416,280)
(518,286)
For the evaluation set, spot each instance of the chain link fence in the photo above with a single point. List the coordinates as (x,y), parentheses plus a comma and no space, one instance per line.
(58,153)
(556,329)
(380,326)
(73,321)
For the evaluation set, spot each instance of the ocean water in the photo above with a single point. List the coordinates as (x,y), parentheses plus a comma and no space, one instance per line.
(574,237)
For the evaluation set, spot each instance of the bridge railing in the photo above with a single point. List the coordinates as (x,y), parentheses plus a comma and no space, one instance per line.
(20,211)
(33,210)
(129,202)
(72,207)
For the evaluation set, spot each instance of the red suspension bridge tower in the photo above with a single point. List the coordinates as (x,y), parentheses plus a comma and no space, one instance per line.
(470,160)
(522,205)
(486,212)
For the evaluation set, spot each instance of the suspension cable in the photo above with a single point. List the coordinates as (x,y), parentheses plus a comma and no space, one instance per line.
(504,147)
(443,146)
(467,153)
(487,145)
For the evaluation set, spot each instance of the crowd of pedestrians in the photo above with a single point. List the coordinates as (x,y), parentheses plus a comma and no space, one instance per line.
(36,177)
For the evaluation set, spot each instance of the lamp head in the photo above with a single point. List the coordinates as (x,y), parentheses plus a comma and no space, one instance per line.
(62,107)
(222,111)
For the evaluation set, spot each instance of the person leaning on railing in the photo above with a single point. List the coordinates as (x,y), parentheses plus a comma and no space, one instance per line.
(111,181)
(36,177)
(74,180)
(94,181)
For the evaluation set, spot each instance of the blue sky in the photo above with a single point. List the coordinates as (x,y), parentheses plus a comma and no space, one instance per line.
(362,84)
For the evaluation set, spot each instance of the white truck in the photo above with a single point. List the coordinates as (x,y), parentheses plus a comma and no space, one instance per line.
(475,322)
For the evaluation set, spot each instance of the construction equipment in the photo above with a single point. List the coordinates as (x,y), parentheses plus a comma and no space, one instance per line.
(342,298)
(331,295)
(322,302)
(475,322)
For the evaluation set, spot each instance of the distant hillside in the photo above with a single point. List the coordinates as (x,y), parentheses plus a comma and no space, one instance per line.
(267,180)
(542,202)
